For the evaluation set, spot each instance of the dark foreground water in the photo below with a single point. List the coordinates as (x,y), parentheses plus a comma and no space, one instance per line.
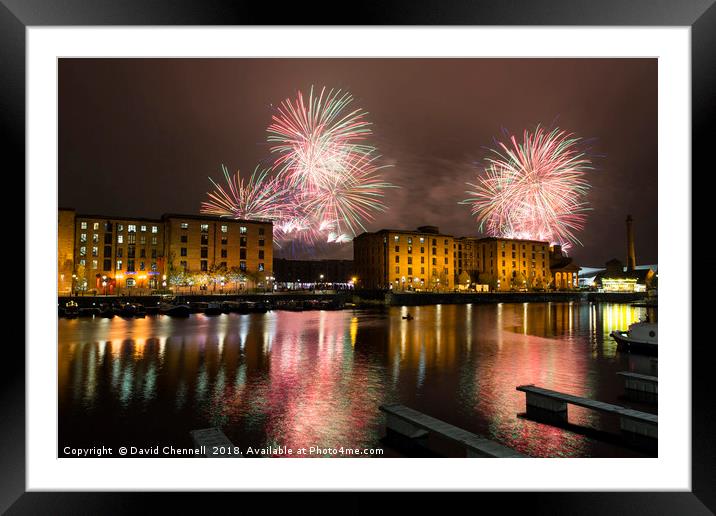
(302,379)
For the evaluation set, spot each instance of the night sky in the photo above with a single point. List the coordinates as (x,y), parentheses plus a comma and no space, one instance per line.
(140,137)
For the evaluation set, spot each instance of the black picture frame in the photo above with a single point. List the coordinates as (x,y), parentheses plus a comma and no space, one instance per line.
(700,15)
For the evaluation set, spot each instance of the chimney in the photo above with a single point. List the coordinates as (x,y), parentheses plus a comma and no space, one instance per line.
(631,255)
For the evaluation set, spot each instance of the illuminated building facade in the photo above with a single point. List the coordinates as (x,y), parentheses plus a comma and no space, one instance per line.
(65,250)
(197,243)
(427,260)
(466,254)
(511,264)
(104,254)
(617,278)
(404,260)
(113,252)
(632,278)
(565,274)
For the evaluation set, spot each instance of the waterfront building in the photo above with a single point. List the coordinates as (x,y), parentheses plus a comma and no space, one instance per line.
(65,250)
(108,254)
(565,274)
(428,260)
(404,260)
(295,274)
(201,243)
(111,252)
(466,254)
(513,264)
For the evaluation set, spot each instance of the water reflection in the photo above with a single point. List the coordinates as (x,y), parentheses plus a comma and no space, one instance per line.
(302,379)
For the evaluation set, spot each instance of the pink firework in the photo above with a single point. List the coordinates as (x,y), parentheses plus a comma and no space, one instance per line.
(534,189)
(261,198)
(321,153)
(314,139)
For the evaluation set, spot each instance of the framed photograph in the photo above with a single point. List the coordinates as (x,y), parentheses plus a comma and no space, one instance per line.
(419,252)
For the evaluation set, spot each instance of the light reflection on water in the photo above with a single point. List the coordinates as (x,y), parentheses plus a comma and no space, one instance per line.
(300,379)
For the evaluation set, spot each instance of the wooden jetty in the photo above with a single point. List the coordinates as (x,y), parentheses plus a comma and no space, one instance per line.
(416,425)
(640,382)
(210,438)
(633,421)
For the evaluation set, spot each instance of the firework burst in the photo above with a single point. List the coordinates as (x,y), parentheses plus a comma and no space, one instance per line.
(322,154)
(261,198)
(534,189)
(314,140)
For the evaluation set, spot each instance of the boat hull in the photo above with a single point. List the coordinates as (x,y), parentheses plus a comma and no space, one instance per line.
(624,343)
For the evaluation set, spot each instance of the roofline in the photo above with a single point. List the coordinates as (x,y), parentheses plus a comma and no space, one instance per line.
(164,217)
(411,231)
(512,240)
(322,260)
(213,218)
(112,217)
(475,238)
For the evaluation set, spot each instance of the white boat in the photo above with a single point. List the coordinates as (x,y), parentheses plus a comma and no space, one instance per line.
(641,337)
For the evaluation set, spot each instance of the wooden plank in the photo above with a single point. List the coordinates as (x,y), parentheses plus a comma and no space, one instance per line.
(592,404)
(637,376)
(211,437)
(477,446)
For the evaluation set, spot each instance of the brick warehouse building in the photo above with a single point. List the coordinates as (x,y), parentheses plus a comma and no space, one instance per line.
(425,259)
(402,259)
(126,252)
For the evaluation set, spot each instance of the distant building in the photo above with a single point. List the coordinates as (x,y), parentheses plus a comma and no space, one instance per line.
(292,273)
(106,254)
(615,277)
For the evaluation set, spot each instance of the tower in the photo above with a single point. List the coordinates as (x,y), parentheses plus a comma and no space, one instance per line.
(631,255)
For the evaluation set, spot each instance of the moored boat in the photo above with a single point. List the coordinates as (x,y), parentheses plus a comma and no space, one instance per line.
(198,306)
(641,337)
(89,312)
(106,311)
(71,309)
(174,310)
(213,309)
(229,306)
(127,310)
